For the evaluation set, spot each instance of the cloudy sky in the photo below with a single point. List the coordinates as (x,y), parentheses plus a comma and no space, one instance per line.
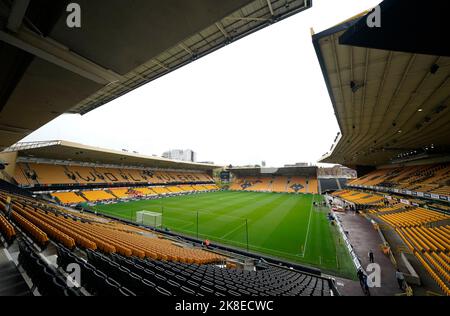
(260,98)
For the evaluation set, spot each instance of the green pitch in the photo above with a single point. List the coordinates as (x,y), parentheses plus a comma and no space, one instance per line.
(286,226)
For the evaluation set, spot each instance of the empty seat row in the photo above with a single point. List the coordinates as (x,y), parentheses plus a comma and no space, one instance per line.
(44,174)
(206,280)
(49,229)
(107,236)
(37,234)
(413,217)
(71,198)
(6,229)
(95,281)
(45,277)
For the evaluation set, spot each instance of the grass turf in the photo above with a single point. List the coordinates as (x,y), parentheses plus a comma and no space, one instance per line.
(286,226)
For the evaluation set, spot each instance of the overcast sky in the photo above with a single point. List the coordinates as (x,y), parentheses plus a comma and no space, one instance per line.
(260,98)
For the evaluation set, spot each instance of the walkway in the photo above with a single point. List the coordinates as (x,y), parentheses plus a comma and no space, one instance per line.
(363,238)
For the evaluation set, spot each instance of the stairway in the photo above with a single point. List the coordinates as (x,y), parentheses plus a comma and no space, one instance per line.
(11,281)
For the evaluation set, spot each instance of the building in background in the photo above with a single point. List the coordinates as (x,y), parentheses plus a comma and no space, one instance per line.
(181,154)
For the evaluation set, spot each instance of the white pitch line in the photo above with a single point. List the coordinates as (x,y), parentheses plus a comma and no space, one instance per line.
(307,230)
(232,231)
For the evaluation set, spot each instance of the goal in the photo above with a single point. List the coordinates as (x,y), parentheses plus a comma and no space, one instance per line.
(149,218)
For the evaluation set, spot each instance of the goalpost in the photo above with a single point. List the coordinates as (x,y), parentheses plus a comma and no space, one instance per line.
(149,218)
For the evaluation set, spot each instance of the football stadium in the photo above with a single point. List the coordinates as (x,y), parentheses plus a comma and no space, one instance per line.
(83,220)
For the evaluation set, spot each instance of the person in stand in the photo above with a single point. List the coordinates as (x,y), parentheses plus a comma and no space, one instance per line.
(365,286)
(371,258)
(363,282)
(400,278)
(360,275)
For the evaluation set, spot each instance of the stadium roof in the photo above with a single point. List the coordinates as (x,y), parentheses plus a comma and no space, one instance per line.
(68,151)
(388,104)
(49,69)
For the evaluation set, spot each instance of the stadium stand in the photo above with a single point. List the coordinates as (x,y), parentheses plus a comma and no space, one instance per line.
(121,260)
(6,229)
(359,198)
(312,186)
(297,184)
(211,187)
(430,244)
(413,217)
(150,277)
(160,190)
(342,182)
(432,178)
(33,174)
(46,278)
(37,234)
(97,195)
(174,189)
(328,184)
(258,184)
(399,149)
(100,235)
(120,193)
(43,174)
(391,207)
(143,191)
(280,184)
(68,197)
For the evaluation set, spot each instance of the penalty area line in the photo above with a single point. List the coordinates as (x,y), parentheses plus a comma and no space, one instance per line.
(232,231)
(307,230)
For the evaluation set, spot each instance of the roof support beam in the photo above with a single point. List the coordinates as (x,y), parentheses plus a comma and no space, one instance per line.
(245,18)
(160,64)
(269,4)
(19,7)
(57,54)
(14,129)
(221,29)
(187,49)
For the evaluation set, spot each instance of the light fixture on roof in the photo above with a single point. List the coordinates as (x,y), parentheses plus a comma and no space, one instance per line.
(355,86)
(399,131)
(434,68)
(419,110)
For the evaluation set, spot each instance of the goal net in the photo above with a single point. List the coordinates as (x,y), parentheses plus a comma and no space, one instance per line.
(149,218)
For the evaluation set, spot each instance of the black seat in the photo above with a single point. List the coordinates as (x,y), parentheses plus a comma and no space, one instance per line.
(111,288)
(187,291)
(173,287)
(206,290)
(126,292)
(233,293)
(59,287)
(148,288)
(97,282)
(162,291)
